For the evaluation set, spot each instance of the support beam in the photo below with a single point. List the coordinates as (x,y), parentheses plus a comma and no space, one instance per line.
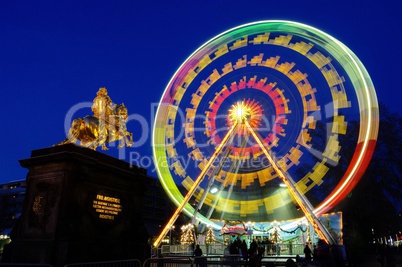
(301,200)
(191,192)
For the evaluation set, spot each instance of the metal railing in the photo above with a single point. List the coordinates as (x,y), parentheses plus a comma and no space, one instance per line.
(169,262)
(25,265)
(120,263)
(202,261)
(283,249)
(215,261)
(182,255)
(217,249)
(220,249)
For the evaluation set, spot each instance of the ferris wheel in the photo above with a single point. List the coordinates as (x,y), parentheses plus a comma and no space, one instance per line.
(258,121)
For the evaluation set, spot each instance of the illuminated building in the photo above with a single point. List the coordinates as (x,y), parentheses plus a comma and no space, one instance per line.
(12,195)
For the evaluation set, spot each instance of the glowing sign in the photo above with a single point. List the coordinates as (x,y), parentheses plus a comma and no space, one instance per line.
(107,207)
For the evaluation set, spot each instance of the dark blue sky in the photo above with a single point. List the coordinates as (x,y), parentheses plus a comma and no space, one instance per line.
(56,54)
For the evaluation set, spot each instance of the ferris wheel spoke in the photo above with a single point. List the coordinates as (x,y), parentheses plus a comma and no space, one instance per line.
(234,170)
(219,193)
(215,172)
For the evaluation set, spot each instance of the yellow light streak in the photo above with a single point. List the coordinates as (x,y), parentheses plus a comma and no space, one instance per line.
(292,189)
(194,187)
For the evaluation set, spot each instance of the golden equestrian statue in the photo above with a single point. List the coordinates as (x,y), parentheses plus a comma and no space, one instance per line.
(108,124)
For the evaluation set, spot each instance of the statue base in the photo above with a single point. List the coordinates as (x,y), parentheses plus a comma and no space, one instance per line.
(81,206)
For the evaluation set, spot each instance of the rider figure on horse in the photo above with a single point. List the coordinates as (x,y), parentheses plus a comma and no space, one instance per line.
(108,124)
(102,108)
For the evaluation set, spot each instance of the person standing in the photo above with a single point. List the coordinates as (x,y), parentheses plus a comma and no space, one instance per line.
(198,254)
(244,249)
(307,254)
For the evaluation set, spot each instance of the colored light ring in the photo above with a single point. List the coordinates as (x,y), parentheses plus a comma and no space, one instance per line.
(163,138)
(275,94)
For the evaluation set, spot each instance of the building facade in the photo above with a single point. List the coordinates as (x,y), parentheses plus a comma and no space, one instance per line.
(12,196)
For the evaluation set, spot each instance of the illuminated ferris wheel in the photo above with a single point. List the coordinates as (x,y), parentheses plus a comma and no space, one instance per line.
(252,123)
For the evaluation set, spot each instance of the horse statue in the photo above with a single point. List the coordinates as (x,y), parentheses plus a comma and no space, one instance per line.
(89,132)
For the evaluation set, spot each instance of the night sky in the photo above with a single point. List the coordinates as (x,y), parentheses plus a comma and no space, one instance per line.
(54,56)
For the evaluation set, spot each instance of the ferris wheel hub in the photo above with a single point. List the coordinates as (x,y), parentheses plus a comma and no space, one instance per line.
(240,113)
(245,112)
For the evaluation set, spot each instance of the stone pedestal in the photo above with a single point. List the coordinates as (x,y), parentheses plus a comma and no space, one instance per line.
(81,206)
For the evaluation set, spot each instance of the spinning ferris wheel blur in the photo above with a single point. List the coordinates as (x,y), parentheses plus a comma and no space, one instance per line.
(262,105)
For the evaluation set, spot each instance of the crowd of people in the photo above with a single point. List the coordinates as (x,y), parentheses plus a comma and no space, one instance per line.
(321,254)
(385,256)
